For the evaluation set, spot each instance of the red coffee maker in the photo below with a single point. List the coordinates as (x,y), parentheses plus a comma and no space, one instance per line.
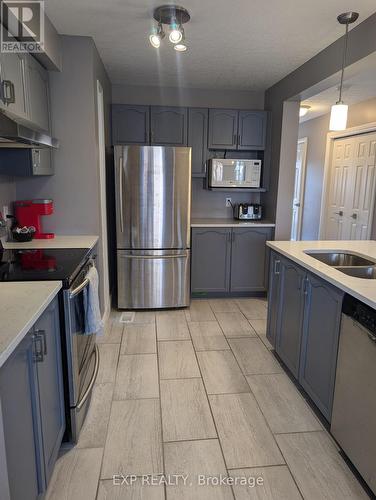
(28,213)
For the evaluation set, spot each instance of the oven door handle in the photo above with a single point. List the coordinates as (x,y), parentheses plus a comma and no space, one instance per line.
(79,288)
(92,381)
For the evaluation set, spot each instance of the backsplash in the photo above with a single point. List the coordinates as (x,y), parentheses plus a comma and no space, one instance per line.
(7,191)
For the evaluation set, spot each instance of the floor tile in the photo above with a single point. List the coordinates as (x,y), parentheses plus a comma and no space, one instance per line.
(259,325)
(194,458)
(235,325)
(185,410)
(275,483)
(108,359)
(144,317)
(221,372)
(137,377)
(318,468)
(139,339)
(177,360)
(172,325)
(254,308)
(139,490)
(283,407)
(133,444)
(207,336)
(76,475)
(199,310)
(253,357)
(112,332)
(223,305)
(245,437)
(94,431)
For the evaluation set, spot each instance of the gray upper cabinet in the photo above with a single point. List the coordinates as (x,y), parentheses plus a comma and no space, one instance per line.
(252,130)
(210,270)
(198,139)
(38,94)
(322,318)
(130,124)
(32,405)
(223,129)
(18,392)
(290,315)
(12,73)
(248,259)
(273,297)
(168,126)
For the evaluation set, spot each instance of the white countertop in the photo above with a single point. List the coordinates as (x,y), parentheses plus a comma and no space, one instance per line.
(212,222)
(76,241)
(21,304)
(362,289)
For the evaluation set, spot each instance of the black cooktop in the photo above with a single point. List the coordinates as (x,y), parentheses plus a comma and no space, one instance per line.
(60,264)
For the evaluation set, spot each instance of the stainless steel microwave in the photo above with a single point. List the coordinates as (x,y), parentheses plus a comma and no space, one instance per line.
(234,173)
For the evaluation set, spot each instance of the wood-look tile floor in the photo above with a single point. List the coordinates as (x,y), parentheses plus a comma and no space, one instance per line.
(198,393)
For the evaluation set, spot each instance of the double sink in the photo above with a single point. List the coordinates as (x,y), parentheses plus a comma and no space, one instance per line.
(347,263)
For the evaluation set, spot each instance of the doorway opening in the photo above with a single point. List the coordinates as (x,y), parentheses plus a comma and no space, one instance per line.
(299,188)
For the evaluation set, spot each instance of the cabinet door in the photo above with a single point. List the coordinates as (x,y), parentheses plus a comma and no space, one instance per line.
(169,126)
(290,315)
(273,297)
(198,139)
(13,71)
(223,129)
(211,248)
(130,124)
(322,316)
(252,129)
(50,383)
(18,395)
(38,96)
(248,259)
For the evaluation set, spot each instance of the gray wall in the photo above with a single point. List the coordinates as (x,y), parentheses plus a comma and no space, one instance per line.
(362,42)
(75,185)
(7,191)
(316,130)
(172,96)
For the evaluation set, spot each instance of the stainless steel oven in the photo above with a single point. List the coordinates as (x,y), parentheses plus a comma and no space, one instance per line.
(81,351)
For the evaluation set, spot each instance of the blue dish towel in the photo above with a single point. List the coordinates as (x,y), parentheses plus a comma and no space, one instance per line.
(93,318)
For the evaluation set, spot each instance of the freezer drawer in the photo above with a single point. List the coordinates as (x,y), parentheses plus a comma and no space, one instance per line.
(153,279)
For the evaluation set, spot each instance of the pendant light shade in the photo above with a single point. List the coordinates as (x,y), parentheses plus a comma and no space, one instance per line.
(338,117)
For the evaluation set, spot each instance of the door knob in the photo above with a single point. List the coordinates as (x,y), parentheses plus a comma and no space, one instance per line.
(296,204)
(354,216)
(340,213)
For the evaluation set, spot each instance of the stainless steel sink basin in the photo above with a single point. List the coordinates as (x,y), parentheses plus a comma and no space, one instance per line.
(337,259)
(366,272)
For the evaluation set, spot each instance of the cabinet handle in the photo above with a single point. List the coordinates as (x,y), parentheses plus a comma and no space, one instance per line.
(233,236)
(234,139)
(305,291)
(238,139)
(42,334)
(8,93)
(340,213)
(38,348)
(277,264)
(121,194)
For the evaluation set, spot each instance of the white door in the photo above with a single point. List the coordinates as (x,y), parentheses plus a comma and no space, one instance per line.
(297,204)
(352,188)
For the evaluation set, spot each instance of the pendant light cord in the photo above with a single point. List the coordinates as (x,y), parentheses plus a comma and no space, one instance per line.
(343,62)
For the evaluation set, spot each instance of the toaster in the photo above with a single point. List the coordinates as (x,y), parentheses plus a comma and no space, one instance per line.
(248,211)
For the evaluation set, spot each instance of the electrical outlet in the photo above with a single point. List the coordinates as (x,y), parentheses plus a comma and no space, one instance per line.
(228,202)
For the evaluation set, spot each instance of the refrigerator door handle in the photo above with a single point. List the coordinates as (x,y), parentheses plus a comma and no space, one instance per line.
(121,194)
(142,257)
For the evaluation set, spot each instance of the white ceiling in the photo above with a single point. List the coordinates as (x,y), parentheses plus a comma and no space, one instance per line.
(356,89)
(233,44)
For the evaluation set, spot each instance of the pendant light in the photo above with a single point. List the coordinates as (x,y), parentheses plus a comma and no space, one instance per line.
(338,115)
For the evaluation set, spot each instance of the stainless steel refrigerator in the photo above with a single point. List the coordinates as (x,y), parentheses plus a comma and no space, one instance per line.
(153,205)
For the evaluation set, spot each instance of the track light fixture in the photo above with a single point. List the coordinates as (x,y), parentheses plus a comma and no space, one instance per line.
(174,17)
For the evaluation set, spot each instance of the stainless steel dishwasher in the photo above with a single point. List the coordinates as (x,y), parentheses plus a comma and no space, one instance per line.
(354,406)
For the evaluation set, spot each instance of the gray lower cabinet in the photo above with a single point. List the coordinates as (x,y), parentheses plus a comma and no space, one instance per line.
(168,126)
(211,251)
(32,404)
(130,124)
(290,315)
(321,327)
(248,251)
(198,139)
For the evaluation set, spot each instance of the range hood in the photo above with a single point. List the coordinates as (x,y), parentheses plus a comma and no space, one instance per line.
(15,133)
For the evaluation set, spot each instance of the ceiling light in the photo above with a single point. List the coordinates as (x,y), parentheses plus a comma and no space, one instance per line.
(176,34)
(156,36)
(303,110)
(180,47)
(338,114)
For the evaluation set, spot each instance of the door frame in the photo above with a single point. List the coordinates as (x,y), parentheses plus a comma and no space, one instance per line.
(303,140)
(330,138)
